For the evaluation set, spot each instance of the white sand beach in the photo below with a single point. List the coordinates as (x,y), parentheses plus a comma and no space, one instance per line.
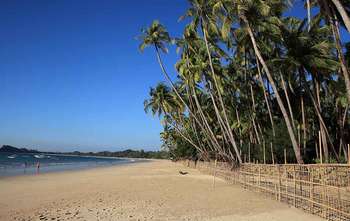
(143,191)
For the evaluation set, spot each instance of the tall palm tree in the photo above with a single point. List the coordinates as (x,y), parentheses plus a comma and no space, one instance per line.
(157,36)
(201,13)
(247,13)
(243,64)
(163,102)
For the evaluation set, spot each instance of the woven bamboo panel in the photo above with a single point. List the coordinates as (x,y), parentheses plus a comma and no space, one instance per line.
(320,189)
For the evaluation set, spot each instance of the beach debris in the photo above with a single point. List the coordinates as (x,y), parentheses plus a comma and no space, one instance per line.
(183,172)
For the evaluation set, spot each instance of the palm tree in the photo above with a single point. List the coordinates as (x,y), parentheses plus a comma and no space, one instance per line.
(200,12)
(308,52)
(163,102)
(157,36)
(336,12)
(249,73)
(255,11)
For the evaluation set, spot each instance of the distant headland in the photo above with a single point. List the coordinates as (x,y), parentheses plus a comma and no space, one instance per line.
(129,153)
(11,149)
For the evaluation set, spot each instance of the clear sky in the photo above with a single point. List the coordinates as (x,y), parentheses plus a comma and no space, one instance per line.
(72,77)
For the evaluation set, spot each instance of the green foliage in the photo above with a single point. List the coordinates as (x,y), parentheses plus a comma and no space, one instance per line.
(232,99)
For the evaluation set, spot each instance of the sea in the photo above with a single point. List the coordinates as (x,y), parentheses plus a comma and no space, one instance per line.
(12,164)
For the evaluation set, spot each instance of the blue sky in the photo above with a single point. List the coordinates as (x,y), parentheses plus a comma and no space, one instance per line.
(72,77)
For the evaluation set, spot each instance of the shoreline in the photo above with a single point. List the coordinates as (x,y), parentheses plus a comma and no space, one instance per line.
(61,168)
(57,167)
(142,191)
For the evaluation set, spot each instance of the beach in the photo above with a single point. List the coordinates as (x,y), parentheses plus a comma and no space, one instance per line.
(151,190)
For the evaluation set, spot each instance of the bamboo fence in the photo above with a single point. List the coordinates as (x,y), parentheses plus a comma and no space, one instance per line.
(320,189)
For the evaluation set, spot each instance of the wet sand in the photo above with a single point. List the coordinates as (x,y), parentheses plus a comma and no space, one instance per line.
(143,191)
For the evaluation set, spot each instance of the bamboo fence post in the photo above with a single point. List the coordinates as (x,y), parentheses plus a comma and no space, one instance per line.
(285,156)
(299,137)
(273,159)
(348,153)
(324,194)
(259,181)
(249,152)
(311,189)
(320,145)
(295,185)
(216,161)
(286,183)
(244,180)
(338,188)
(264,153)
(279,183)
(276,192)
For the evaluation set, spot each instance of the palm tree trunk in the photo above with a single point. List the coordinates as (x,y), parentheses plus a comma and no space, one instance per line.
(173,86)
(342,13)
(344,68)
(208,129)
(279,100)
(240,129)
(254,112)
(169,79)
(304,123)
(288,101)
(186,138)
(308,15)
(320,118)
(220,98)
(322,129)
(217,112)
(193,123)
(266,99)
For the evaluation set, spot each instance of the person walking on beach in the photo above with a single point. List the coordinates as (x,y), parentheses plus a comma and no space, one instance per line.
(38,167)
(25,167)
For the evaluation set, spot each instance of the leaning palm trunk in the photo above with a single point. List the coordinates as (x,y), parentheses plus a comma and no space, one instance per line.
(279,100)
(288,101)
(193,123)
(342,13)
(323,125)
(187,138)
(320,118)
(308,14)
(170,81)
(254,111)
(173,86)
(322,129)
(233,142)
(342,144)
(220,120)
(214,144)
(217,112)
(266,100)
(213,139)
(304,123)
(344,68)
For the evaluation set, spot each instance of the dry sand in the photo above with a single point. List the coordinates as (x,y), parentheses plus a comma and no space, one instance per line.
(144,191)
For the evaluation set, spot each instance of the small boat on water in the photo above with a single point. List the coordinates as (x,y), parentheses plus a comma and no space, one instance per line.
(39,156)
(13,156)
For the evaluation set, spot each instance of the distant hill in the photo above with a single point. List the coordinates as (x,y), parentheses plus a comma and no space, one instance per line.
(127,154)
(11,149)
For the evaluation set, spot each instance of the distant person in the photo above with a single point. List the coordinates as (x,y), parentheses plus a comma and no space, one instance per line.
(195,161)
(25,167)
(38,167)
